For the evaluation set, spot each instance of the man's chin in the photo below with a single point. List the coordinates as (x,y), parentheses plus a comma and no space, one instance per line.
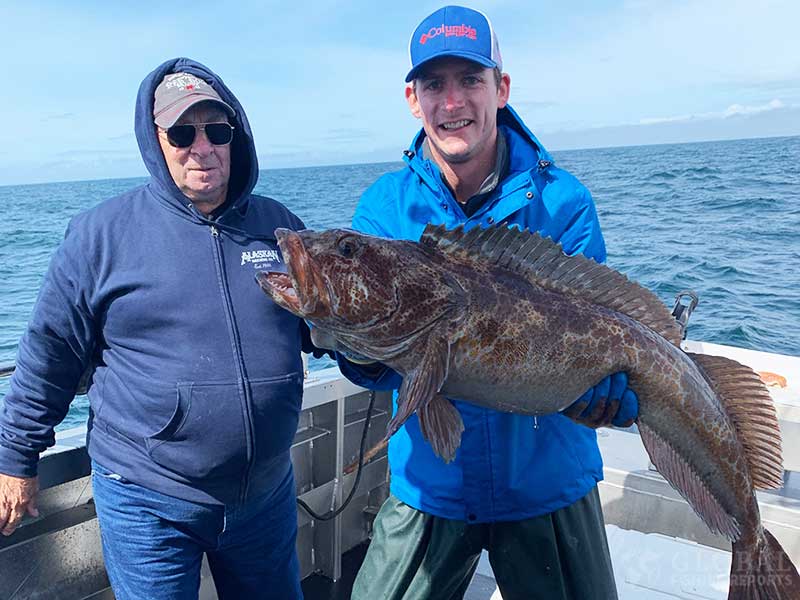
(452,150)
(205,197)
(456,156)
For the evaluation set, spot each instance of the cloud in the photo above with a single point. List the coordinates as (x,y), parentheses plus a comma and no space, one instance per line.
(636,60)
(348,134)
(58,117)
(122,137)
(96,154)
(737,109)
(533,104)
(743,122)
(784,86)
(657,120)
(734,110)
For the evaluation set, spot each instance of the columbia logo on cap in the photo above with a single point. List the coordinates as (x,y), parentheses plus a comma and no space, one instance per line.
(448,30)
(454,31)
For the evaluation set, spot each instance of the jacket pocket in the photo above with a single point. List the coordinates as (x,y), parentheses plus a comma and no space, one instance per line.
(205,436)
(276,408)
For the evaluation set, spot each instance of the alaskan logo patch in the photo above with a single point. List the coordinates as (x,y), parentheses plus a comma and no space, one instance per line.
(264,260)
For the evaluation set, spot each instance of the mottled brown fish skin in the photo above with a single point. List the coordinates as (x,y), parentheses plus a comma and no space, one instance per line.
(536,352)
(523,349)
(519,347)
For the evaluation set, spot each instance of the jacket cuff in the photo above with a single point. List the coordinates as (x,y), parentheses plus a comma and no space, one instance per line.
(18,464)
(373,376)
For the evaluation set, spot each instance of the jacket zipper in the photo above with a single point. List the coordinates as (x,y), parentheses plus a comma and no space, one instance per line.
(243,388)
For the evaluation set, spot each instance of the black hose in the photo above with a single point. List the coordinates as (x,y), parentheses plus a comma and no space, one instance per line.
(333,513)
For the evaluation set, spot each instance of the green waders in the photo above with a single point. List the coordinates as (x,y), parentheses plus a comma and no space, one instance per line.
(559,556)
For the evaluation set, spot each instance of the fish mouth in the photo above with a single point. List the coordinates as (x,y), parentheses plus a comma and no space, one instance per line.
(280,288)
(302,290)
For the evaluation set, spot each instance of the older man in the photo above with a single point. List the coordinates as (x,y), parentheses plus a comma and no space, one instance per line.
(197,380)
(523,488)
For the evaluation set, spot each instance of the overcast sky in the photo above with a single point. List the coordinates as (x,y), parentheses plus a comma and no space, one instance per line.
(322,82)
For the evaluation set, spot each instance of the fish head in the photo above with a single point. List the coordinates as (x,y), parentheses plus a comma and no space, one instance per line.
(367,290)
(333,277)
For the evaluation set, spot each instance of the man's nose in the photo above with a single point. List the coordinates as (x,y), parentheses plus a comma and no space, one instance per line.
(454,97)
(201,144)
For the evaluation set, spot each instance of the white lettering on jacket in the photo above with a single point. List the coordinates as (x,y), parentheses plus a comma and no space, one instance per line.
(259,256)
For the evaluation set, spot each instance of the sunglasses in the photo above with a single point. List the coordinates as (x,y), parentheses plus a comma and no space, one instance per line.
(182,136)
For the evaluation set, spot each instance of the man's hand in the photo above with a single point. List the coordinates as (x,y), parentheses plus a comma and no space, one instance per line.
(610,402)
(322,339)
(17,497)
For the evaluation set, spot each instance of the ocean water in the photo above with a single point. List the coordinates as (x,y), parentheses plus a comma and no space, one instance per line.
(720,218)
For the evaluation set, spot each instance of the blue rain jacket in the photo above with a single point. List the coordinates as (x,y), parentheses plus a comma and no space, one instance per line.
(198,377)
(509,467)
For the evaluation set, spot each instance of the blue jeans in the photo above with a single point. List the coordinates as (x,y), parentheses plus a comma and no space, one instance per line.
(153,544)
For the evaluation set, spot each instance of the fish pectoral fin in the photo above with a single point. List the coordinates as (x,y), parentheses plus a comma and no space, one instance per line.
(441,424)
(423,383)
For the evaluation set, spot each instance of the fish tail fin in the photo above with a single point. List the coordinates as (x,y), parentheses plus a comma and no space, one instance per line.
(761,570)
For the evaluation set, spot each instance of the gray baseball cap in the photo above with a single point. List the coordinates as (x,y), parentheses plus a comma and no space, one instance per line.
(178,92)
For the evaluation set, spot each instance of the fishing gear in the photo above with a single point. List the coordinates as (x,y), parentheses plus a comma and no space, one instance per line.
(683,309)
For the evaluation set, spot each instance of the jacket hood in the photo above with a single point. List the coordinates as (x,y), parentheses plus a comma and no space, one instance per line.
(244,164)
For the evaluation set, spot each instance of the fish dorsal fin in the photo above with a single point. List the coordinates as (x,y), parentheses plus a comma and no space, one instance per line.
(543,262)
(747,402)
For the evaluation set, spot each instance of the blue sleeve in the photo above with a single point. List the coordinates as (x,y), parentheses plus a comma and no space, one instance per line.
(375,210)
(374,376)
(371,217)
(582,233)
(52,355)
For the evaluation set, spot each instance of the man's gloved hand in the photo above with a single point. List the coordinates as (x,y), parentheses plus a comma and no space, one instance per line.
(322,339)
(610,402)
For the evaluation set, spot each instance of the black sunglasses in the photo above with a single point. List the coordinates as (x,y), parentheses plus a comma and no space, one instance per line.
(182,136)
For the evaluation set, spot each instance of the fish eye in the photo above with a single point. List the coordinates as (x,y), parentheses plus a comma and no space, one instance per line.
(347,246)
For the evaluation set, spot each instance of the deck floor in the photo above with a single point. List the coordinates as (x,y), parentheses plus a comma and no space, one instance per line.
(318,587)
(646,567)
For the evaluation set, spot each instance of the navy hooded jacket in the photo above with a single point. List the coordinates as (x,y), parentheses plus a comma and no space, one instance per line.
(198,378)
(509,467)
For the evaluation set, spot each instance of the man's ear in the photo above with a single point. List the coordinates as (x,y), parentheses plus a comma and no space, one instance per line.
(503,90)
(413,102)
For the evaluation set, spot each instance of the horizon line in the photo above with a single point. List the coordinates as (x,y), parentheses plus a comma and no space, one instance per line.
(399,160)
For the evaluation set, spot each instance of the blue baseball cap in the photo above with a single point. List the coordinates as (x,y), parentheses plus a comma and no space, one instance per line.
(454,31)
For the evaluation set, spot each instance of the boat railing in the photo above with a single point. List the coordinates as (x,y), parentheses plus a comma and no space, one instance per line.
(58,554)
